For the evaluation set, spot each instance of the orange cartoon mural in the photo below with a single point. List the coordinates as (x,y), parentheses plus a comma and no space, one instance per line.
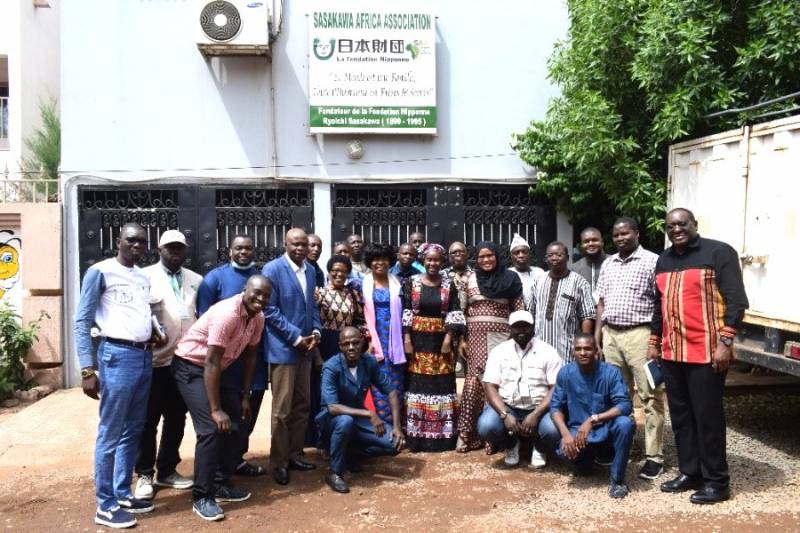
(9,261)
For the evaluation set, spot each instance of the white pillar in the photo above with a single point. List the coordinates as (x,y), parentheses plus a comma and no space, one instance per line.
(322,219)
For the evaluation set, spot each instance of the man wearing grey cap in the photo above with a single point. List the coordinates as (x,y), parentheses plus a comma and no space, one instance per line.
(173,297)
(518,381)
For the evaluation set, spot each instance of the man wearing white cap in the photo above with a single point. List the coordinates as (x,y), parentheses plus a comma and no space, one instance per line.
(518,381)
(173,297)
(521,264)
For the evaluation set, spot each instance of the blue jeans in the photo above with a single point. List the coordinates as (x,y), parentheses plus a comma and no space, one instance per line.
(620,437)
(125,374)
(492,429)
(352,438)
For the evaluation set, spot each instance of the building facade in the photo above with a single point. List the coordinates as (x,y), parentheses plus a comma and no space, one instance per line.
(156,131)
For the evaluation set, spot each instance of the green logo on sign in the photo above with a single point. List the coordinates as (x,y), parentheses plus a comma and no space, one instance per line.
(324,51)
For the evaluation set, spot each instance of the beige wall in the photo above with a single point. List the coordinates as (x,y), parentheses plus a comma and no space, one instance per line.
(41,281)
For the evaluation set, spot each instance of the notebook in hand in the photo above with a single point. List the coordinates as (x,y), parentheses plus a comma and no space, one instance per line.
(655,376)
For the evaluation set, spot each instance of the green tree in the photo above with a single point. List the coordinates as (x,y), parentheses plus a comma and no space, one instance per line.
(44,149)
(638,75)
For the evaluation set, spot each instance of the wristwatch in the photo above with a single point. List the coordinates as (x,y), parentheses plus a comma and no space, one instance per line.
(727,341)
(595,419)
(503,415)
(87,372)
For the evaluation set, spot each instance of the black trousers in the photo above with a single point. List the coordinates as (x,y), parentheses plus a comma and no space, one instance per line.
(165,401)
(256,397)
(694,394)
(212,466)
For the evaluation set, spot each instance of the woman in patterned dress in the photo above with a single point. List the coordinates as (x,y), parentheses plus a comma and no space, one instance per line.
(383,310)
(431,316)
(493,292)
(339,306)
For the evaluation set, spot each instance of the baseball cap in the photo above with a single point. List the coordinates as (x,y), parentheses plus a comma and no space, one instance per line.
(170,236)
(520,316)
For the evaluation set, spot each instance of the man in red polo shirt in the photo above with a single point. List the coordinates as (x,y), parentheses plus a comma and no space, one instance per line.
(229,328)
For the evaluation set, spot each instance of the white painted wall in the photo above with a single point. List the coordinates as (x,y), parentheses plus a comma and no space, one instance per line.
(30,37)
(137,94)
(140,100)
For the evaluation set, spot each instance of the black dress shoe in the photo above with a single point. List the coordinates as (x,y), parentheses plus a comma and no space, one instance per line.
(337,483)
(281,476)
(682,483)
(299,464)
(709,494)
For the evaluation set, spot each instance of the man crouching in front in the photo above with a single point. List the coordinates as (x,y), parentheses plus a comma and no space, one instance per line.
(350,431)
(591,409)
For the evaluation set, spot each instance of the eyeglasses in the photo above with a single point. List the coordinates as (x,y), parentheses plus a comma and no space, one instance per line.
(679,224)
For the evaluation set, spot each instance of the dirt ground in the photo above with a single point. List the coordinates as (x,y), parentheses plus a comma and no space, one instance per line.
(46,484)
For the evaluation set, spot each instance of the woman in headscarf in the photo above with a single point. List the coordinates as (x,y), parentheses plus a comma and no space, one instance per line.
(383,313)
(493,293)
(431,317)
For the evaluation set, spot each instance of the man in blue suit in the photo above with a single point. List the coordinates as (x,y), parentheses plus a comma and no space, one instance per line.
(349,430)
(292,331)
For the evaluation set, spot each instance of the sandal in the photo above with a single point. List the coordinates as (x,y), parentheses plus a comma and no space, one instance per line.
(463,447)
(249,470)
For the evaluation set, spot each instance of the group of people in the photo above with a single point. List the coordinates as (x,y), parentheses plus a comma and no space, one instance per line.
(362,354)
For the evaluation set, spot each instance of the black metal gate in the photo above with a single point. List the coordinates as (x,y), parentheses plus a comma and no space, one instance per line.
(208,216)
(444,213)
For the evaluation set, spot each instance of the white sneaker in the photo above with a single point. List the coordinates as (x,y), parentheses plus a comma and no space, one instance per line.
(538,459)
(512,455)
(144,488)
(175,481)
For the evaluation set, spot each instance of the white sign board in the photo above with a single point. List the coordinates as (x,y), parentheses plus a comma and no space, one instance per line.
(372,68)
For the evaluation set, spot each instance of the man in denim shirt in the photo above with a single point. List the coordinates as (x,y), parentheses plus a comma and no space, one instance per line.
(590,408)
(115,296)
(349,430)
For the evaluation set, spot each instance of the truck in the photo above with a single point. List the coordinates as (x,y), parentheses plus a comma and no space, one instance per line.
(743,186)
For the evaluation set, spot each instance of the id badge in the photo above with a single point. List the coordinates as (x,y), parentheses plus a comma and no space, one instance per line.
(184,312)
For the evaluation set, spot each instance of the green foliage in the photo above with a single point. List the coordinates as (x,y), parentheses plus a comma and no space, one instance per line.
(44,146)
(638,75)
(15,340)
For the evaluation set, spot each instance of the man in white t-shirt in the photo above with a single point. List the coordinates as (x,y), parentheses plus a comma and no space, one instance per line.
(518,380)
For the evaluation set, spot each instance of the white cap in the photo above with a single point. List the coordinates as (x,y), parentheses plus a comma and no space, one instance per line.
(520,316)
(518,241)
(170,236)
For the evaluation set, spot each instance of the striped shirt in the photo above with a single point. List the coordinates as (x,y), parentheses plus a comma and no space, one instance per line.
(528,278)
(559,305)
(627,288)
(699,295)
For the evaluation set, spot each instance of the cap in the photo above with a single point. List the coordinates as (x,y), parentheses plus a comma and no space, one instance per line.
(520,316)
(518,242)
(170,236)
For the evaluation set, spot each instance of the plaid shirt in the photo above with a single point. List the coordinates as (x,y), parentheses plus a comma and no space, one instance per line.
(627,287)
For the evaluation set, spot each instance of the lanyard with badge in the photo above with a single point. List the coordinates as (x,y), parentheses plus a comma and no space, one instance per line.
(176,282)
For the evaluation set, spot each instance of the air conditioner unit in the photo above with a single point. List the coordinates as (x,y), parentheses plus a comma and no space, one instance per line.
(233,27)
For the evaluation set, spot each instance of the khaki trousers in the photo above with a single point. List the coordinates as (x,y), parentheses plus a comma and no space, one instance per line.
(291,399)
(628,351)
